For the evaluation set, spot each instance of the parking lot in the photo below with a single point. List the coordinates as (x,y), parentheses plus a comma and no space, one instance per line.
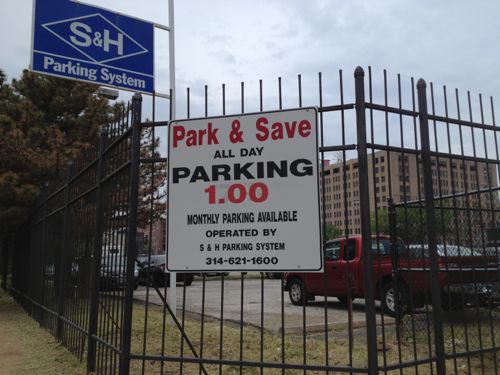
(337,314)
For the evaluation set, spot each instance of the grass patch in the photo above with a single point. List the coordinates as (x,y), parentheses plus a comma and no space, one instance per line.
(339,347)
(39,353)
(28,349)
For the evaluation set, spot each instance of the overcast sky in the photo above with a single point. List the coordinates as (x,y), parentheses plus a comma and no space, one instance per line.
(452,42)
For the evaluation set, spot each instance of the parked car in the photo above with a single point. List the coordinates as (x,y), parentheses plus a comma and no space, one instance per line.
(155,268)
(466,270)
(114,272)
(50,271)
(273,275)
(469,276)
(208,274)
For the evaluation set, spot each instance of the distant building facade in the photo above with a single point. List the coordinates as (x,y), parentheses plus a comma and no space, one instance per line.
(392,174)
(156,237)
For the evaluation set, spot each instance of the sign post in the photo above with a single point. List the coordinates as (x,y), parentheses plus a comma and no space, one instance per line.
(173,96)
(94,45)
(243,193)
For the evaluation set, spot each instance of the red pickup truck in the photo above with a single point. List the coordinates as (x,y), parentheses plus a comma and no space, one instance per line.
(468,273)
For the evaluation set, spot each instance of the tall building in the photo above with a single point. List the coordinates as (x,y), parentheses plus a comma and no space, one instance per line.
(397,176)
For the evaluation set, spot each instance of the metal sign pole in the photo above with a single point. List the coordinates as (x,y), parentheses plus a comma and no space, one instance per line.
(173,276)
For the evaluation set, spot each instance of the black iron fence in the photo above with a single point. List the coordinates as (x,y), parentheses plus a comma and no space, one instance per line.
(409,202)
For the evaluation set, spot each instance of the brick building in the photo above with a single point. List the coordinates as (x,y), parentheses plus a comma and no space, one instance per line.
(392,174)
(158,237)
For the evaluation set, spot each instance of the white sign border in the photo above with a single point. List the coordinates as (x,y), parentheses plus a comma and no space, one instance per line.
(317,180)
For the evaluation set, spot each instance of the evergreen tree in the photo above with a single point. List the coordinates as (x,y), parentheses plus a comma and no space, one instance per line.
(152,182)
(45,122)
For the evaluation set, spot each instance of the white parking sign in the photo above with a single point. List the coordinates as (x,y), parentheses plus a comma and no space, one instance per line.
(243,193)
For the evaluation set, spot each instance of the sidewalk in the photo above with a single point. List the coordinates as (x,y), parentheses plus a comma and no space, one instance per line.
(25,348)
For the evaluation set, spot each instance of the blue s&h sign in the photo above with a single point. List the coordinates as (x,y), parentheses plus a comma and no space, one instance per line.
(90,44)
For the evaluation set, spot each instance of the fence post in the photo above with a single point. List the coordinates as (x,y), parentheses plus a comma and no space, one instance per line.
(364,203)
(96,261)
(41,259)
(131,234)
(65,259)
(393,232)
(5,262)
(437,312)
(395,264)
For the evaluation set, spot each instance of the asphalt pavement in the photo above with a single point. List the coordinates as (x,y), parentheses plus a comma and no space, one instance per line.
(272,302)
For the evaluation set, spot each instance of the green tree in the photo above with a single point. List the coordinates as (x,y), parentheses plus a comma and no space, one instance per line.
(45,122)
(411,223)
(380,223)
(332,232)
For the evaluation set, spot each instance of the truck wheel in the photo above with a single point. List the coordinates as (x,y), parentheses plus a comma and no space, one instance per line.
(389,301)
(188,279)
(297,292)
(452,302)
(165,281)
(272,275)
(345,299)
